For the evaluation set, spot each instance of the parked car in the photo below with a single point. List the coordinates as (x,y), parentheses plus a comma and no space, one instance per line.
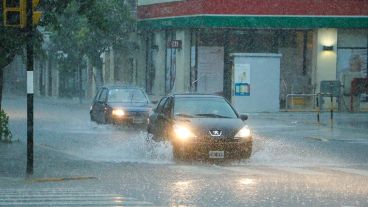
(120,104)
(201,126)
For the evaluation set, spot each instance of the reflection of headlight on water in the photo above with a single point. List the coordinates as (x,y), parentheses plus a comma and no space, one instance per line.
(243,133)
(118,112)
(183,133)
(182,184)
(118,199)
(247,181)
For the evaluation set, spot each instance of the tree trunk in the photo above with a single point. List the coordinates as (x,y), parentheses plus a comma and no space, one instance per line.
(80,83)
(97,63)
(99,77)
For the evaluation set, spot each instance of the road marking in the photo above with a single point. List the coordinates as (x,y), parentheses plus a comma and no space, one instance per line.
(64,197)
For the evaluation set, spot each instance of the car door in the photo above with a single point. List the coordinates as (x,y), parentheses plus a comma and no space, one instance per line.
(94,105)
(153,124)
(164,119)
(101,104)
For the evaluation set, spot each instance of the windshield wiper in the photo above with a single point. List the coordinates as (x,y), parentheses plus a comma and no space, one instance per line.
(212,115)
(184,115)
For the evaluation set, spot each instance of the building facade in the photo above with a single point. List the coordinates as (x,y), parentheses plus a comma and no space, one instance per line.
(191,45)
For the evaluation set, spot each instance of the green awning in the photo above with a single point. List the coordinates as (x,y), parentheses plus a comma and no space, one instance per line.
(261,22)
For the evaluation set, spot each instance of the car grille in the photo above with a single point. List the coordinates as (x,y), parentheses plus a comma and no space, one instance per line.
(134,113)
(217,139)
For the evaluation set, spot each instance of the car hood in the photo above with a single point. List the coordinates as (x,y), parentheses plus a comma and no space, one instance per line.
(206,127)
(133,106)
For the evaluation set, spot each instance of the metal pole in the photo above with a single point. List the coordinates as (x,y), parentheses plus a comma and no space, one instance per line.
(318,108)
(29,30)
(331,111)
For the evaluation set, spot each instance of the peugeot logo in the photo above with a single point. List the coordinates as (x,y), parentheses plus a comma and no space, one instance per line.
(215,133)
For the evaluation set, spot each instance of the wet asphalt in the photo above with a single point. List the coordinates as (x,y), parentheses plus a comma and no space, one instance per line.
(295,162)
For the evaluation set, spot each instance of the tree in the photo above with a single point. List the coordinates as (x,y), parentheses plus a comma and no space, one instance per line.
(12,42)
(95,27)
(90,28)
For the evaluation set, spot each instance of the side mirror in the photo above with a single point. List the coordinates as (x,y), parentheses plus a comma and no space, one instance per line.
(243,117)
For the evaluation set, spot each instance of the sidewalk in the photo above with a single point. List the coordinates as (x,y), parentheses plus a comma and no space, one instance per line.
(49,166)
(350,127)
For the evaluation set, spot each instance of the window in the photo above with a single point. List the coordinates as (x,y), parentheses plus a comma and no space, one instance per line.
(160,105)
(167,107)
(103,95)
(126,95)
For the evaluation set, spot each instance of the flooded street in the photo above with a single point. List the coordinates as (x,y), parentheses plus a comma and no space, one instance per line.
(294,162)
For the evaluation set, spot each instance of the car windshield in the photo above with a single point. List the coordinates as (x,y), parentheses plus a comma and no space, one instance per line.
(203,107)
(126,96)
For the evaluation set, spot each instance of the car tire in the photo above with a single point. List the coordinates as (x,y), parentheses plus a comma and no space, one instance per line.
(149,136)
(91,117)
(107,120)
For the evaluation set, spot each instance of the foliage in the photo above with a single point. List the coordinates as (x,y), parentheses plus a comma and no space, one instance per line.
(87,29)
(78,28)
(5,133)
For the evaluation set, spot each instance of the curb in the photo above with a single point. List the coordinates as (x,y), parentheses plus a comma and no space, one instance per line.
(44,180)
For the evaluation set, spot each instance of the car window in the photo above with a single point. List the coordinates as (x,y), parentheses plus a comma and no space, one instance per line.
(203,106)
(160,105)
(126,95)
(97,94)
(103,95)
(167,107)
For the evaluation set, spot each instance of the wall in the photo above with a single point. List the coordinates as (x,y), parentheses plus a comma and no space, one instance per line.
(147,2)
(183,62)
(325,68)
(159,63)
(326,60)
(251,7)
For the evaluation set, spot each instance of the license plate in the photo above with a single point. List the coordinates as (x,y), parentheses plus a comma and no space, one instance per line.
(138,120)
(216,154)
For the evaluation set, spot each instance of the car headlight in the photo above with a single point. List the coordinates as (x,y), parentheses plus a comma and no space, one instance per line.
(243,133)
(182,132)
(118,112)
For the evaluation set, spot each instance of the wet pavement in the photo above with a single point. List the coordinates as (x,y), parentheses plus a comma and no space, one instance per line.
(295,162)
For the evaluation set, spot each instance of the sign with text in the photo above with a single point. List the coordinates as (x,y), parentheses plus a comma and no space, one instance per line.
(242,79)
(176,44)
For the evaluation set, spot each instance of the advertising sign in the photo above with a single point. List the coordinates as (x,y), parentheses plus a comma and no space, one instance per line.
(242,79)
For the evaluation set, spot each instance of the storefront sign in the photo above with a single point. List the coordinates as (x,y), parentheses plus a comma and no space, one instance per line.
(174,44)
(242,79)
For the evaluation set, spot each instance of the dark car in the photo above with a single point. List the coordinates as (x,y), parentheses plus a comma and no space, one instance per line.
(201,126)
(120,104)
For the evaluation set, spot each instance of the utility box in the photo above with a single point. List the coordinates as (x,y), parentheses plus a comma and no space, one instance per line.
(256,82)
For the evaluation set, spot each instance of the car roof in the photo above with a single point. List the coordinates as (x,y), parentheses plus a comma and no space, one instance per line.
(196,95)
(120,87)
